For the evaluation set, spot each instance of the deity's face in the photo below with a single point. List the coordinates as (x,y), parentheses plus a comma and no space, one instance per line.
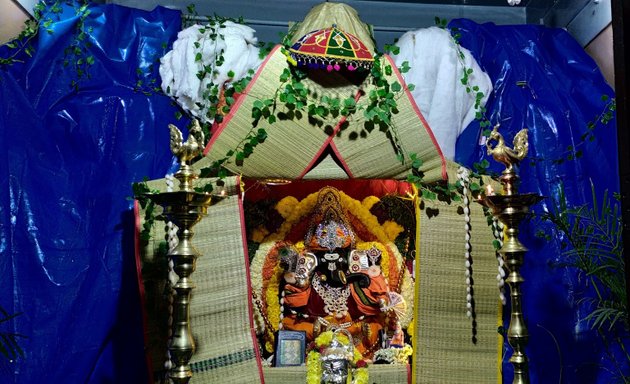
(334,265)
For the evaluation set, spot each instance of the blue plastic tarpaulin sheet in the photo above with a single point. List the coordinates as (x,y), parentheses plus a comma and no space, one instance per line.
(544,81)
(68,157)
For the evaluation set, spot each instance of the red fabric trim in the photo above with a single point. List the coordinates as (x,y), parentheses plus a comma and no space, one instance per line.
(341,159)
(356,188)
(250,309)
(143,300)
(409,377)
(321,150)
(239,101)
(329,141)
(415,108)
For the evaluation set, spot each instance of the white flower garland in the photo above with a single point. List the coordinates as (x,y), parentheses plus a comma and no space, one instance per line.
(497,230)
(464,176)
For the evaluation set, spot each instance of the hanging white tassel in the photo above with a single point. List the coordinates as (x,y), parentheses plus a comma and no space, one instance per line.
(497,230)
(464,176)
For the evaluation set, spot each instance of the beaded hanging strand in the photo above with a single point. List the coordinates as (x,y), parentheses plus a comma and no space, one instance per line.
(464,177)
(497,230)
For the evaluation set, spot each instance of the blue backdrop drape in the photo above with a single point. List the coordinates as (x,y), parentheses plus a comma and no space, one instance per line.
(67,161)
(544,81)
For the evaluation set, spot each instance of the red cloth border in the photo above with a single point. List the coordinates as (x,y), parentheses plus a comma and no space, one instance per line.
(143,299)
(237,105)
(250,309)
(358,189)
(329,141)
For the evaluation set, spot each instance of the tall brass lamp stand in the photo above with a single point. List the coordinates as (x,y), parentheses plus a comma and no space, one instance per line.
(511,208)
(184,208)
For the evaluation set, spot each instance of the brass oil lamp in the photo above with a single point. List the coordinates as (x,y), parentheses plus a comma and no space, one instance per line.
(185,208)
(511,208)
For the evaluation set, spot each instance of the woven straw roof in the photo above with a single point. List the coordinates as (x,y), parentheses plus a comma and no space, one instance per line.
(295,146)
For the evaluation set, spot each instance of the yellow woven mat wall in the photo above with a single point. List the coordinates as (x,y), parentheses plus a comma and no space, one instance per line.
(219,309)
(445,352)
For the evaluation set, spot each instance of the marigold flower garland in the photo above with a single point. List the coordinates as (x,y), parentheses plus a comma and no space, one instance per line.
(264,273)
(369,202)
(286,206)
(392,229)
(313,364)
(258,234)
(273,305)
(407,292)
(296,214)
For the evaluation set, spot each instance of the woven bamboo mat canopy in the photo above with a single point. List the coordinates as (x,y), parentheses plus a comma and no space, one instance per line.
(296,144)
(448,346)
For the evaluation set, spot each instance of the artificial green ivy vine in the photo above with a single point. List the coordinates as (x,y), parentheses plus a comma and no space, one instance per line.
(22,43)
(146,79)
(572,152)
(140,192)
(76,54)
(446,191)
(298,102)
(575,151)
(42,18)
(480,109)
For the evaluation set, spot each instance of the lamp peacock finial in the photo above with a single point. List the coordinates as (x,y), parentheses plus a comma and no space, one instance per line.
(185,151)
(504,154)
(192,147)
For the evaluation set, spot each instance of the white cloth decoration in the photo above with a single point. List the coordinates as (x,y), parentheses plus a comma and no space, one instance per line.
(179,67)
(436,73)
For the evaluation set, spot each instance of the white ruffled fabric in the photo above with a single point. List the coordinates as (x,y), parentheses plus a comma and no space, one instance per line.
(436,73)
(179,69)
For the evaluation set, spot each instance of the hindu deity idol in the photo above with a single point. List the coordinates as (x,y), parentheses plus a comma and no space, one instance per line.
(328,282)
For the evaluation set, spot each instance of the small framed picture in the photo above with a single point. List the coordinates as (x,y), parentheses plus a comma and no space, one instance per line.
(291,348)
